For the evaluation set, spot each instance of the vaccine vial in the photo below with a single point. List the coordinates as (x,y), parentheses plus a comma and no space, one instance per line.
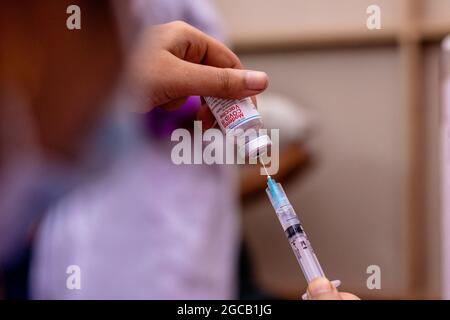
(237,117)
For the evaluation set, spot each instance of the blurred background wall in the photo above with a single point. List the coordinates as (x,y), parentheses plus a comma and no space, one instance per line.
(372,194)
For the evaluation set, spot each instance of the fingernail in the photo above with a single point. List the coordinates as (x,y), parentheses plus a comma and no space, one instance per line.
(255,80)
(319,286)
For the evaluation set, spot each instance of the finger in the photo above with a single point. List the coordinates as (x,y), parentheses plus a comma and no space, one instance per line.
(195,79)
(202,48)
(322,289)
(173,104)
(204,114)
(216,54)
(348,296)
(254,101)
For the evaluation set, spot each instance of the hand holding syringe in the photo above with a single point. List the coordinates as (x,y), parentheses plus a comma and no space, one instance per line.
(294,231)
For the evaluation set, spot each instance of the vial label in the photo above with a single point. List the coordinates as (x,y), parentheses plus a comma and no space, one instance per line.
(232,113)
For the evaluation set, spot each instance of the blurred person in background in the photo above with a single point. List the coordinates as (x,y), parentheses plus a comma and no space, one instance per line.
(135,233)
(55,89)
(39,189)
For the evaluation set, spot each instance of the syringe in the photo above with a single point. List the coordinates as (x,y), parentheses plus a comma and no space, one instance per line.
(294,231)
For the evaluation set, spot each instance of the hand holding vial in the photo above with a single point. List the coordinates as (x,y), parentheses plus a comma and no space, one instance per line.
(175,60)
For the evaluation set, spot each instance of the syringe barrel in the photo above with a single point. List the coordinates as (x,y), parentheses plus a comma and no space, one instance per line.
(304,253)
(297,237)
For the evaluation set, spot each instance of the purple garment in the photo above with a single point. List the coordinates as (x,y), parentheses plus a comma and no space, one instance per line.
(142,232)
(161,123)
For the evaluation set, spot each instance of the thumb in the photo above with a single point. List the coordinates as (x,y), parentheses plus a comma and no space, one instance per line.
(227,83)
(322,289)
